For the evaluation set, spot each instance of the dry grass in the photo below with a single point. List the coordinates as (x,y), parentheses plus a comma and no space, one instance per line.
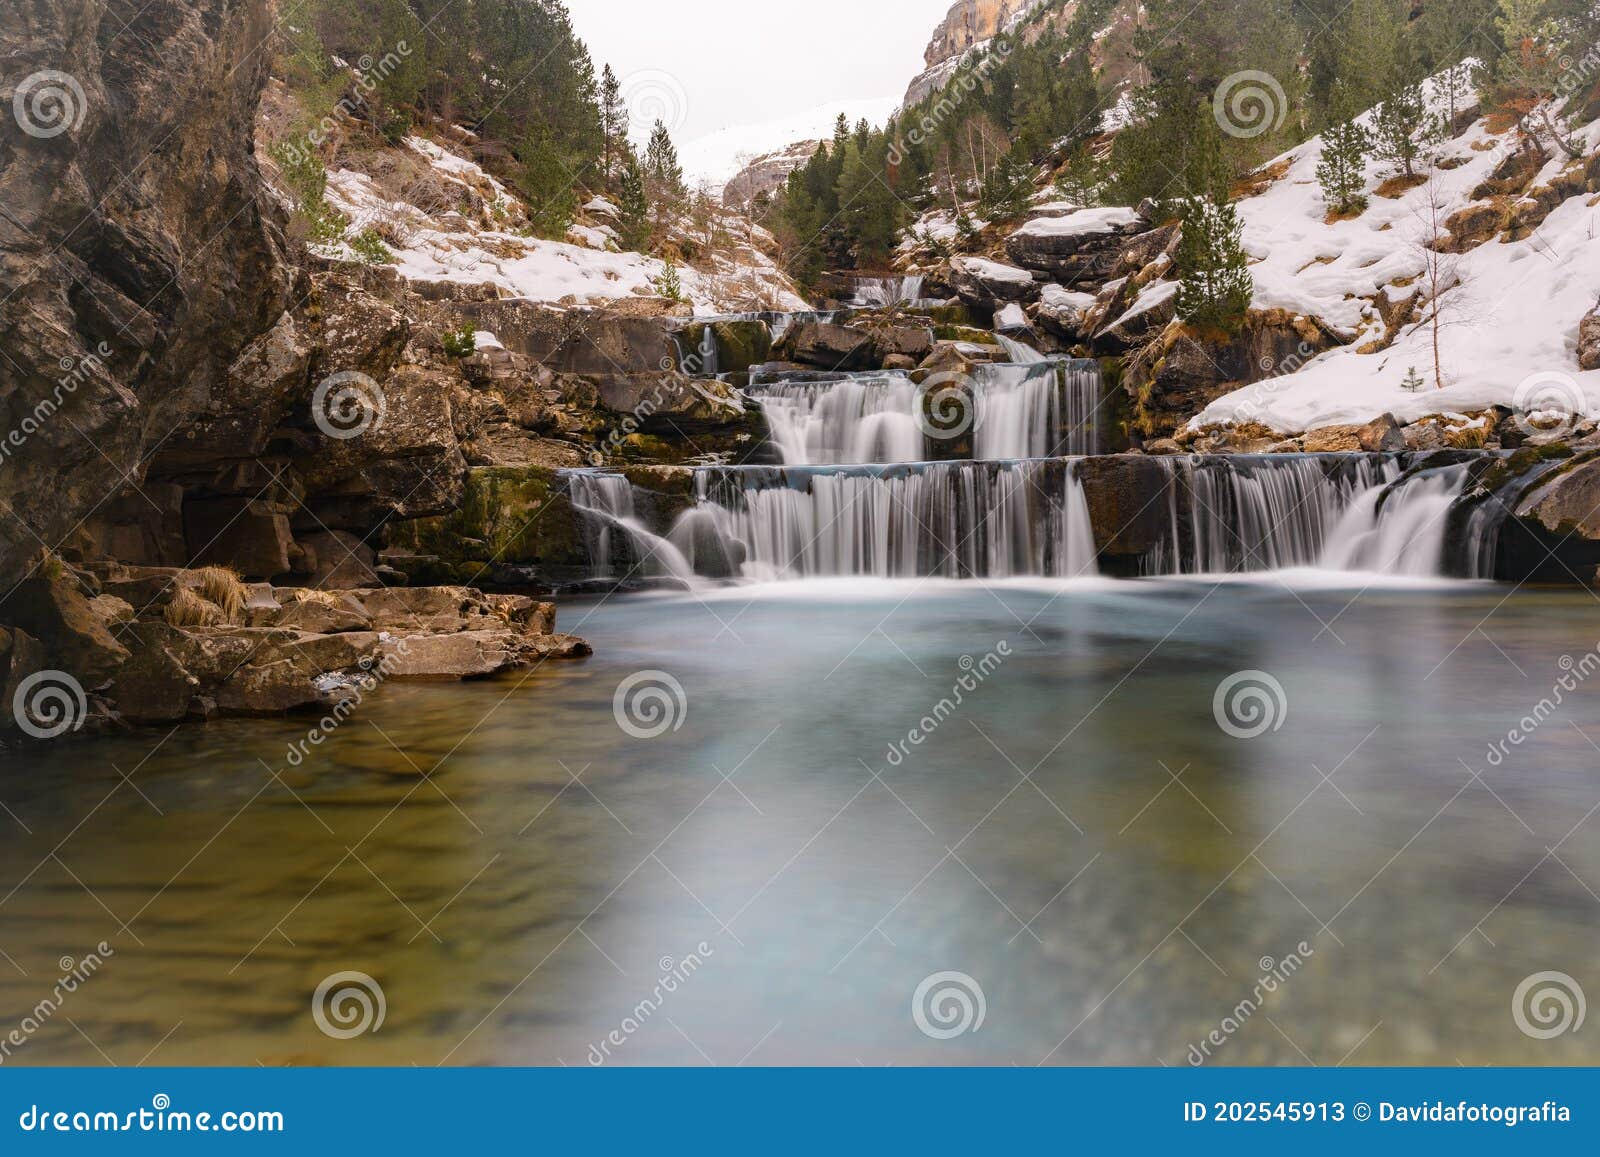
(1396,187)
(1469,438)
(189,609)
(221,587)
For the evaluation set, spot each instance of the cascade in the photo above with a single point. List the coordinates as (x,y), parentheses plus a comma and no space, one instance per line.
(1040,409)
(819,420)
(1398,529)
(708,352)
(883,292)
(942,519)
(606,502)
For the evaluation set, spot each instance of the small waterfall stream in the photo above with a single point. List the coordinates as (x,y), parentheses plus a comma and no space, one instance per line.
(606,500)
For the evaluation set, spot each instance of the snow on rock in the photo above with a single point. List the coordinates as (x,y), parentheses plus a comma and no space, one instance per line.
(484,340)
(985,270)
(1514,314)
(601,207)
(1010,317)
(1083,222)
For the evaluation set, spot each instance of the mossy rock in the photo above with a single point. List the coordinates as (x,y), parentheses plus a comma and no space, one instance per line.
(740,344)
(508,516)
(964,333)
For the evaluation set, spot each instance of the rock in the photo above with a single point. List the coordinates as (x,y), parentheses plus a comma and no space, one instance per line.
(1382,436)
(1513,175)
(740,344)
(1081,247)
(250,535)
(1426,435)
(139,250)
(899,362)
(902,341)
(829,347)
(672,403)
(51,607)
(154,686)
(1589,341)
(1149,314)
(274,689)
(1334,440)
(468,655)
(1570,505)
(344,562)
(1128,503)
(317,612)
(1064,312)
(1163,448)
(1474,225)
(984,284)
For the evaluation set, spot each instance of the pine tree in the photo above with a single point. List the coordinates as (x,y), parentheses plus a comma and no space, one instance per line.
(548,185)
(1008,191)
(1342,169)
(613,121)
(1404,132)
(1413,383)
(661,161)
(667,283)
(1366,61)
(634,229)
(1215,286)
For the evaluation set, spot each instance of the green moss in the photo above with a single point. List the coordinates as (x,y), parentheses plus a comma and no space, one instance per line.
(514,517)
(1524,460)
(740,344)
(964,333)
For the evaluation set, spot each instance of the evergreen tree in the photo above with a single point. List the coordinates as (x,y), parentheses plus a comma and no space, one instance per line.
(548,186)
(1404,132)
(613,121)
(1413,383)
(1009,189)
(1342,169)
(634,226)
(1366,70)
(661,163)
(1215,286)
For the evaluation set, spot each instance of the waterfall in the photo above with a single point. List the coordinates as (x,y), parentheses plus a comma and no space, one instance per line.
(1042,409)
(1245,514)
(606,502)
(708,352)
(883,292)
(1398,529)
(1019,352)
(940,519)
(848,420)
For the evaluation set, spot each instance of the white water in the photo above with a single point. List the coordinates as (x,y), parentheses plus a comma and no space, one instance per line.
(883,292)
(607,501)
(1042,409)
(942,519)
(863,418)
(1398,531)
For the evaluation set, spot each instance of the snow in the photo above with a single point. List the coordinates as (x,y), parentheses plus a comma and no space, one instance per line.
(1060,298)
(1010,317)
(1514,314)
(484,340)
(985,270)
(602,207)
(590,272)
(1082,223)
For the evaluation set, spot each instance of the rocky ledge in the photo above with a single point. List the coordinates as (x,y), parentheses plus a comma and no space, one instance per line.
(120,645)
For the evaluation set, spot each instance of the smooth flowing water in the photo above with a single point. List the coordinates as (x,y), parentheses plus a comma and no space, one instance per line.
(759,821)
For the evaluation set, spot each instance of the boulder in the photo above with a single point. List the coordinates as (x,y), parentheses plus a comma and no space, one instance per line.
(1149,314)
(1129,508)
(250,535)
(830,347)
(51,606)
(1078,248)
(1382,436)
(467,655)
(1334,440)
(1568,506)
(1589,341)
(1064,312)
(343,561)
(985,284)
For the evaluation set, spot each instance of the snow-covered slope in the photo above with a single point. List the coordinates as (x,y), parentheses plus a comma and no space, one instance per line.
(1512,314)
(490,246)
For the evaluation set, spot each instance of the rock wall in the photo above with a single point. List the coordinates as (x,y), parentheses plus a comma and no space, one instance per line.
(133,170)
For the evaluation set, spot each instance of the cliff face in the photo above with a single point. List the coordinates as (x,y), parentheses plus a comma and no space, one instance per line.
(767,173)
(132,173)
(968,23)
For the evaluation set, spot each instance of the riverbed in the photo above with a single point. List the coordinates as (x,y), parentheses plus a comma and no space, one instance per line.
(1288,820)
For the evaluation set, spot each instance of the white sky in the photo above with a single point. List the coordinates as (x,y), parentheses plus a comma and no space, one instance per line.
(734,77)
